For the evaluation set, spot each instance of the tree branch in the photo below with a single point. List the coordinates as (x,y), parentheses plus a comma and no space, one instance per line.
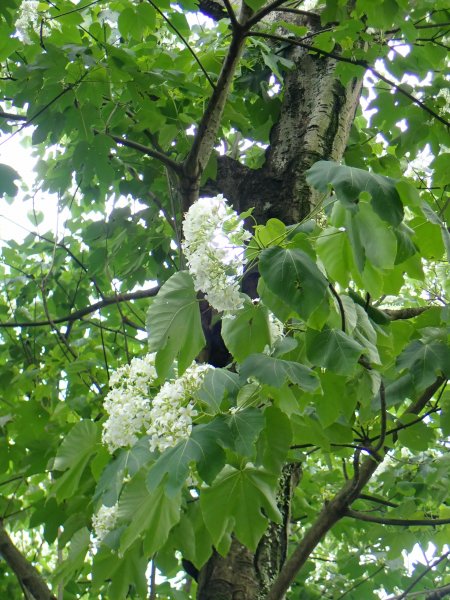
(185,42)
(358,63)
(361,516)
(163,158)
(263,12)
(396,314)
(378,500)
(28,576)
(335,509)
(436,594)
(205,137)
(78,314)
(11,116)
(444,590)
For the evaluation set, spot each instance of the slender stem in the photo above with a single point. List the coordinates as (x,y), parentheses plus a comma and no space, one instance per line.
(185,42)
(208,127)
(341,306)
(163,158)
(334,510)
(358,63)
(259,16)
(28,576)
(361,516)
(383,411)
(78,314)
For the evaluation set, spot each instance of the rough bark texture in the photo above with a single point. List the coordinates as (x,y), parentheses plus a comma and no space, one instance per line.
(28,576)
(314,123)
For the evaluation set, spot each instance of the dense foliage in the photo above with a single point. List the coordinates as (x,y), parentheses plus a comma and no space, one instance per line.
(125,460)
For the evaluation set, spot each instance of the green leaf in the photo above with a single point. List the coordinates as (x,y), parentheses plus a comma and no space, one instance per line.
(218,385)
(151,515)
(7,177)
(204,447)
(248,332)
(240,496)
(174,325)
(275,439)
(379,242)
(425,361)
(127,462)
(333,349)
(129,571)
(350,182)
(444,418)
(416,437)
(275,371)
(294,277)
(79,545)
(245,426)
(73,456)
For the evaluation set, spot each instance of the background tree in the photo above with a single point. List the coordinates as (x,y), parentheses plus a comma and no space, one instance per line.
(323,428)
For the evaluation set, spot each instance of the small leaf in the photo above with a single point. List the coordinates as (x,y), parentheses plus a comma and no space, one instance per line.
(349,182)
(73,456)
(275,371)
(217,385)
(416,437)
(248,332)
(275,439)
(204,447)
(7,177)
(425,361)
(333,349)
(294,277)
(245,426)
(379,242)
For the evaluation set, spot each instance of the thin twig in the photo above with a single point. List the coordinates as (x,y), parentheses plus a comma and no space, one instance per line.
(422,575)
(185,42)
(78,314)
(341,306)
(263,12)
(383,417)
(163,158)
(361,516)
(358,63)
(231,14)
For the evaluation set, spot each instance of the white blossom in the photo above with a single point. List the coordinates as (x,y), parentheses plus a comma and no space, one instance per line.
(276,328)
(214,238)
(104,521)
(128,402)
(134,405)
(30,19)
(173,409)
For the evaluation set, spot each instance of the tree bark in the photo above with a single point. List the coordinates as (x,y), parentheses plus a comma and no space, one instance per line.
(314,124)
(29,577)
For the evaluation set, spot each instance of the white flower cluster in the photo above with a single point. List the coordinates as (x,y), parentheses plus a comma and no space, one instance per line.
(214,238)
(30,19)
(276,328)
(104,521)
(173,409)
(128,402)
(133,407)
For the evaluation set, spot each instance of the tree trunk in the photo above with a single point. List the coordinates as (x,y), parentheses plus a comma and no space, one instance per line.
(314,124)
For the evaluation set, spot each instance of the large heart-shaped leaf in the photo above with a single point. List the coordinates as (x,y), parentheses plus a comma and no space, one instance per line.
(174,325)
(349,182)
(293,276)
